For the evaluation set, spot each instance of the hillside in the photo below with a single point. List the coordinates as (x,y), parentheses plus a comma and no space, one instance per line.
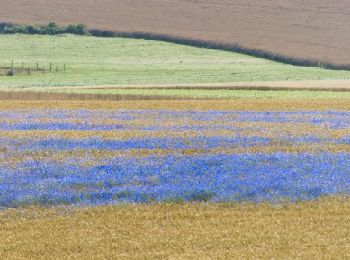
(124,62)
(313,29)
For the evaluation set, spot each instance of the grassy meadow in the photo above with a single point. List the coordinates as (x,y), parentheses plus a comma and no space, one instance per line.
(117,61)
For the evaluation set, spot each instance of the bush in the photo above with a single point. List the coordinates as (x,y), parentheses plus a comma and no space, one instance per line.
(50,29)
(15,29)
(79,29)
(101,33)
(30,29)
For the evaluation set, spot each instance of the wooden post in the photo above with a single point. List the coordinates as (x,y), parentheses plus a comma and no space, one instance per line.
(37,65)
(50,66)
(28,70)
(11,70)
(22,65)
(64,66)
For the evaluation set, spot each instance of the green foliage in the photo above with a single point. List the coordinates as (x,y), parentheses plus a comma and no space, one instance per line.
(53,29)
(79,29)
(50,29)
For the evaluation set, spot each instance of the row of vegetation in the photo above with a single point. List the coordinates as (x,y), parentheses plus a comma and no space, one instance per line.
(50,29)
(223,46)
(81,29)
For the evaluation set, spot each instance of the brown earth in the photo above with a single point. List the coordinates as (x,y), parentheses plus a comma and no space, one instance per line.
(313,29)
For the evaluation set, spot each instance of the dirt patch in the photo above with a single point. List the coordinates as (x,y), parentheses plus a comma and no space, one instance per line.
(318,30)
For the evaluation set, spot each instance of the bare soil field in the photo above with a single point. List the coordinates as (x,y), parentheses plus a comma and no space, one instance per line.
(314,29)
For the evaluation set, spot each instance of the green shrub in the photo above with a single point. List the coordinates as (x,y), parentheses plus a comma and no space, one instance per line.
(79,29)
(50,29)
(31,29)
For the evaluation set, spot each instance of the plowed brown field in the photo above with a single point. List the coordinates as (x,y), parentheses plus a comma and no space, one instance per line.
(313,29)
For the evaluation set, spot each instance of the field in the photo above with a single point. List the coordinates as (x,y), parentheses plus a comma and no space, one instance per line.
(305,29)
(158,150)
(138,62)
(224,178)
(59,156)
(316,229)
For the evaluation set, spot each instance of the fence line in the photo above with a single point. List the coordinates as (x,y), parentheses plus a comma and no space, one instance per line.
(20,67)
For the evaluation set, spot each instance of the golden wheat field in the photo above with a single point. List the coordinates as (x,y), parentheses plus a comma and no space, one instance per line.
(309,230)
(54,226)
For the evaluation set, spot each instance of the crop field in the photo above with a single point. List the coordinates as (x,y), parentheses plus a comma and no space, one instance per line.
(313,29)
(192,167)
(158,150)
(318,229)
(205,93)
(53,157)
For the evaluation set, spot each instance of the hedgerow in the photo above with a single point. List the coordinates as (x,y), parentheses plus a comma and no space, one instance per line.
(49,29)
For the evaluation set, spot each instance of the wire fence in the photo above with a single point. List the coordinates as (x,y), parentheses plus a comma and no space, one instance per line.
(14,68)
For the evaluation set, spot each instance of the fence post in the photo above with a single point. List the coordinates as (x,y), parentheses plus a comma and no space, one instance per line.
(11,70)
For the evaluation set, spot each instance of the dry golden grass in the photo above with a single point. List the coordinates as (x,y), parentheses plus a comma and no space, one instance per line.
(194,105)
(315,85)
(91,157)
(263,129)
(309,230)
(45,95)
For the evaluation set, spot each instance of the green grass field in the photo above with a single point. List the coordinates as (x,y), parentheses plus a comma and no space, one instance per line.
(117,61)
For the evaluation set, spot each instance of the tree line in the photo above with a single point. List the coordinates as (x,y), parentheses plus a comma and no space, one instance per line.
(49,29)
